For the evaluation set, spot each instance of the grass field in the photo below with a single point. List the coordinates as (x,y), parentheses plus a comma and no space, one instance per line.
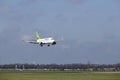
(37,75)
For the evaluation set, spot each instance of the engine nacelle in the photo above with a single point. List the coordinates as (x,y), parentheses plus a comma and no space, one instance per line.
(53,43)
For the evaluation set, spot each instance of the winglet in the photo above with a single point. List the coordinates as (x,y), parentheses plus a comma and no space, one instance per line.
(62,38)
(37,36)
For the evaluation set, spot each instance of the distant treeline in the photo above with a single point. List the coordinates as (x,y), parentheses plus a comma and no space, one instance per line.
(62,67)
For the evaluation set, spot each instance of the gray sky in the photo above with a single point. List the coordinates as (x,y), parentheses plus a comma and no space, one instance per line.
(91,31)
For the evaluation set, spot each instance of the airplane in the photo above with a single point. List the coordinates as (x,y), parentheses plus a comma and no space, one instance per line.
(43,41)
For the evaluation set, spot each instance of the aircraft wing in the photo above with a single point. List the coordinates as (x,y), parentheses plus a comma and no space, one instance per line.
(32,41)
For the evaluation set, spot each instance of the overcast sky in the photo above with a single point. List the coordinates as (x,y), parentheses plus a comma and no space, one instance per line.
(91,31)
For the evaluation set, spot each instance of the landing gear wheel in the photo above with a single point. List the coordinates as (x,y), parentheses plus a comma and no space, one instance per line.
(41,44)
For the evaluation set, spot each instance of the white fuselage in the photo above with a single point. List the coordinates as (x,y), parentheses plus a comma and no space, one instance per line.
(46,41)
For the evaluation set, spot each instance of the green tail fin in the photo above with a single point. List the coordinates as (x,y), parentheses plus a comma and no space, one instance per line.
(37,36)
